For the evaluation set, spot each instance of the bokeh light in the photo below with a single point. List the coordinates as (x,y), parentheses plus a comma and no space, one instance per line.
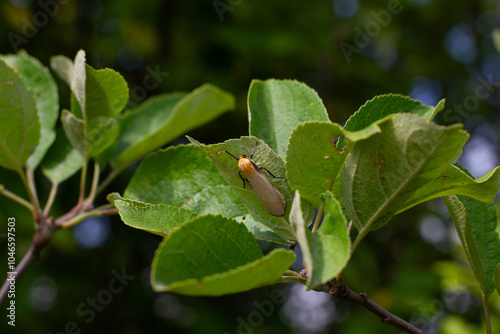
(426,90)
(308,311)
(460,43)
(43,293)
(480,152)
(345,8)
(92,232)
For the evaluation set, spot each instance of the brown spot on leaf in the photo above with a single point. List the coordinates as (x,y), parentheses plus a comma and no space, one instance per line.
(378,161)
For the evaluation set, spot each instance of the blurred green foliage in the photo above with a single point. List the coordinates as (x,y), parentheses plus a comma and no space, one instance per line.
(410,273)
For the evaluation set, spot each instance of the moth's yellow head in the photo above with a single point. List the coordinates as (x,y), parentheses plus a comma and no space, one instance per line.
(245,165)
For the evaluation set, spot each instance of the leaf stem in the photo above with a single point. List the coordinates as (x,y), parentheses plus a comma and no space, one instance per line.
(292,273)
(31,184)
(17,198)
(293,279)
(318,217)
(95,181)
(35,208)
(83,179)
(67,221)
(50,200)
(45,227)
(486,312)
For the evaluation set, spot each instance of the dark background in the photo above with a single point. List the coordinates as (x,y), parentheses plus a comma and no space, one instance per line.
(414,266)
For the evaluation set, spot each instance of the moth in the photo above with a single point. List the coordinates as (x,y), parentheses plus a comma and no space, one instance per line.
(271,198)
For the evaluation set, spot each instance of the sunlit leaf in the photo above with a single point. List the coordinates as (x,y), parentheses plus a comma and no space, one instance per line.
(19,124)
(263,157)
(385,170)
(160,219)
(62,160)
(38,78)
(382,106)
(475,222)
(276,107)
(313,162)
(166,117)
(211,256)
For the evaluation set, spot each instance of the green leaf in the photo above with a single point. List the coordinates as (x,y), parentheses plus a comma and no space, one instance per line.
(330,245)
(63,66)
(439,107)
(200,106)
(263,157)
(212,256)
(476,222)
(106,93)
(385,170)
(99,134)
(40,81)
(354,136)
(276,107)
(102,132)
(454,181)
(19,124)
(78,80)
(303,234)
(497,278)
(73,74)
(259,230)
(160,219)
(313,162)
(217,199)
(62,160)
(183,176)
(327,251)
(112,197)
(382,106)
(98,96)
(144,121)
(221,199)
(75,131)
(174,176)
(483,223)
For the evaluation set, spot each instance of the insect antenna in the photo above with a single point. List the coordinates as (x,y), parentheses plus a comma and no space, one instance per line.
(231,154)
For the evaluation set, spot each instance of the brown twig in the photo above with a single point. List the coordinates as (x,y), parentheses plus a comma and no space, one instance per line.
(45,229)
(40,240)
(342,291)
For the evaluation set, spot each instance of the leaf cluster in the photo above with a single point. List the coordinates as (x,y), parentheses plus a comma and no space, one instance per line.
(339,182)
(387,158)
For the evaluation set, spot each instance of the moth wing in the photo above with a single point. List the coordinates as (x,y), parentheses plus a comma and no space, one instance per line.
(273,200)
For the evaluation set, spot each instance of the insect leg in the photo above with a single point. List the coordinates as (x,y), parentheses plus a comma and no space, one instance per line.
(276,177)
(251,156)
(242,179)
